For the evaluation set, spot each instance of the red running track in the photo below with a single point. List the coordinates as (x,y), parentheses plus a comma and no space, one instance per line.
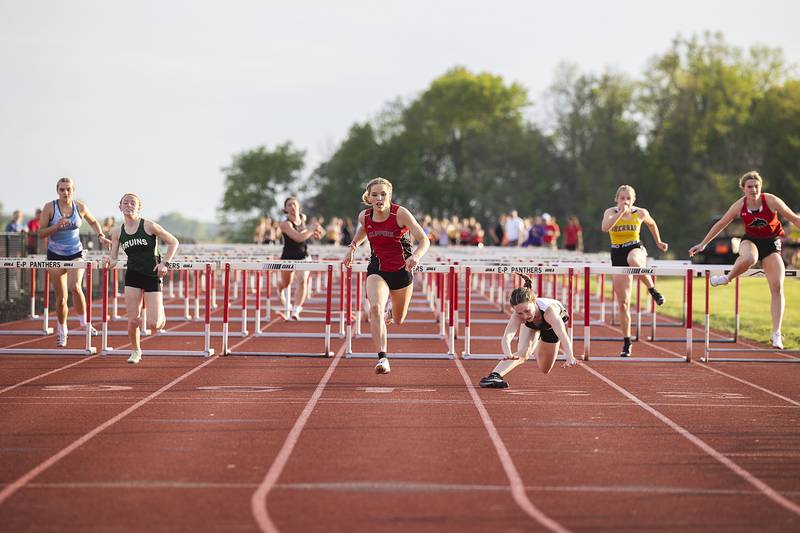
(305,444)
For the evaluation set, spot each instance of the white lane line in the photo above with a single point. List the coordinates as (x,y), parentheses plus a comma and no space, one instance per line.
(765,489)
(14,486)
(708,367)
(515,480)
(258,501)
(390,486)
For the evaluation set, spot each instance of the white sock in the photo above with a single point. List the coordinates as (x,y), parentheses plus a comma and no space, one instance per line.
(82,320)
(507,365)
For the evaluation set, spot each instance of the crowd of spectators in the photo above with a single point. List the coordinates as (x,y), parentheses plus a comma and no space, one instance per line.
(508,230)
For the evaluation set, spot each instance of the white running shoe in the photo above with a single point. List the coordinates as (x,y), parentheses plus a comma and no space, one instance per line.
(296,312)
(777,341)
(61,339)
(383,366)
(716,281)
(136,356)
(92,331)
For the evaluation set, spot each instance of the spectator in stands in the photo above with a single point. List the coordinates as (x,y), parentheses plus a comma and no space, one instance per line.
(15,225)
(514,229)
(535,233)
(497,231)
(551,231)
(477,235)
(33,228)
(108,225)
(573,235)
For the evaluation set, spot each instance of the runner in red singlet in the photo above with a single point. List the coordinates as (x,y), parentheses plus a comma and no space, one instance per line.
(762,240)
(387,226)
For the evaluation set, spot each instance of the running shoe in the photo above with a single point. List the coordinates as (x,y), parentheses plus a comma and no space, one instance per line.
(61,339)
(494,381)
(136,356)
(657,296)
(716,281)
(777,341)
(92,331)
(296,312)
(626,350)
(383,366)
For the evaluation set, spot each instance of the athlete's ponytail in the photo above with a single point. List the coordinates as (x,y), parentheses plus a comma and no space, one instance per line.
(523,294)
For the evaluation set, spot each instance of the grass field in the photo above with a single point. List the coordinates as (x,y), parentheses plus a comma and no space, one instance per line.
(755,322)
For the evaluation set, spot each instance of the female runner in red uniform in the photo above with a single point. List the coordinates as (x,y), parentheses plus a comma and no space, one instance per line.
(387,226)
(762,240)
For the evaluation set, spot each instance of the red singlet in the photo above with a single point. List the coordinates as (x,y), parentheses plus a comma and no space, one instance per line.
(390,243)
(763,224)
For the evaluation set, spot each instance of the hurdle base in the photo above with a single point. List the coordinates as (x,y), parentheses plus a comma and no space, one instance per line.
(280,354)
(50,351)
(392,356)
(640,359)
(160,353)
(435,336)
(747,360)
(29,332)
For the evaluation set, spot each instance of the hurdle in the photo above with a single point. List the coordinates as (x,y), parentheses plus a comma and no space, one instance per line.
(687,272)
(46,329)
(449,270)
(10,262)
(327,267)
(503,269)
(424,269)
(207,350)
(708,350)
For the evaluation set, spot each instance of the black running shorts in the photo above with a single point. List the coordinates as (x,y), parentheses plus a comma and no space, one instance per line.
(141,281)
(399,279)
(765,246)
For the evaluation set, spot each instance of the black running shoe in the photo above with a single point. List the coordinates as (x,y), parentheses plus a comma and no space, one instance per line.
(626,350)
(657,296)
(494,381)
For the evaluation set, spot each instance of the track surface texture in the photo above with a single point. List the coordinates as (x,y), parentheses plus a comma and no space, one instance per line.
(298,444)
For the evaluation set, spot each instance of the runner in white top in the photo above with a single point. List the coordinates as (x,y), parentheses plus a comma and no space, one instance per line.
(544,320)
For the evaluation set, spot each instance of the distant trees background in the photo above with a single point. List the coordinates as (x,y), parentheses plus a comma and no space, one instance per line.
(700,115)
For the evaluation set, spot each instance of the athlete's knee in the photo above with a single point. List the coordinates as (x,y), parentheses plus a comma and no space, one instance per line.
(375,312)
(624,305)
(133,322)
(748,260)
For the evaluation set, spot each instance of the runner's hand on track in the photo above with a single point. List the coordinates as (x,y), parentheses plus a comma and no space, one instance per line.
(571,361)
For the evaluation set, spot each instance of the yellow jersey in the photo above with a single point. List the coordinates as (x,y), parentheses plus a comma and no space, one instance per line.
(625,231)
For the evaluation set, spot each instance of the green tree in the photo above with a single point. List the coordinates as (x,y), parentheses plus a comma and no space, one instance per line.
(596,140)
(253,184)
(776,132)
(340,180)
(697,100)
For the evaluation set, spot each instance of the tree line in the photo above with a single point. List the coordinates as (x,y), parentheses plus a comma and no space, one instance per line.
(700,115)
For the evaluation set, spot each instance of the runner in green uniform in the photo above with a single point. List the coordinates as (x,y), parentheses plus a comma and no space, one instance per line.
(138,238)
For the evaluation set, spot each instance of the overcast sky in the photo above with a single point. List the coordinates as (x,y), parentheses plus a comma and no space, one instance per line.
(155,97)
